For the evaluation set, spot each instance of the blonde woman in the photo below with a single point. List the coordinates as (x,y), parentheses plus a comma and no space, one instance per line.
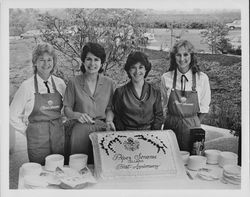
(36,107)
(186,93)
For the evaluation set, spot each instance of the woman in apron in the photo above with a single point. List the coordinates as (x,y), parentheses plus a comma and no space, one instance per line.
(36,107)
(87,100)
(186,93)
(137,104)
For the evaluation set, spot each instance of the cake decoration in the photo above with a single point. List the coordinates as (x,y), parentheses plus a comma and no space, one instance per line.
(155,141)
(136,154)
(131,144)
(108,140)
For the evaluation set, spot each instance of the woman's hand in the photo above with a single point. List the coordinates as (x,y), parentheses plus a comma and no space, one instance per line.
(110,126)
(83,118)
(24,119)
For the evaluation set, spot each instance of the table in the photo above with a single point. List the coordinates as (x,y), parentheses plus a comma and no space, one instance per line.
(155,183)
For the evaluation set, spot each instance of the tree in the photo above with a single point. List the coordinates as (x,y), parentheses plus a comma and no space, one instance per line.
(22,20)
(215,37)
(115,29)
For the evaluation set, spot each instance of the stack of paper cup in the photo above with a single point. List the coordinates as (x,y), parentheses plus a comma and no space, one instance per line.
(31,169)
(212,156)
(78,161)
(227,158)
(54,161)
(196,162)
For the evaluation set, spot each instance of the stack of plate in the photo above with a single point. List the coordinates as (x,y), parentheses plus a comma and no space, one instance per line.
(232,174)
(208,174)
(35,182)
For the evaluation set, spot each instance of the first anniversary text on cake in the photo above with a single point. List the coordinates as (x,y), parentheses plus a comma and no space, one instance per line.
(137,159)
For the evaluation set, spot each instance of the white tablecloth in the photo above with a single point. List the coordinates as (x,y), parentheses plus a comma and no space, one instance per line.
(155,183)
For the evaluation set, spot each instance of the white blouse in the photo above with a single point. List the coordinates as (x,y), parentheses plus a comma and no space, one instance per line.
(202,88)
(23,101)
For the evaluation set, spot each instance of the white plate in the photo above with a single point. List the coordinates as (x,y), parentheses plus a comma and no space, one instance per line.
(67,172)
(231,181)
(72,179)
(51,178)
(231,177)
(35,181)
(209,176)
(232,169)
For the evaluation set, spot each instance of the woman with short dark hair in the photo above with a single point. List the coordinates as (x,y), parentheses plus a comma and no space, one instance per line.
(186,93)
(88,100)
(137,104)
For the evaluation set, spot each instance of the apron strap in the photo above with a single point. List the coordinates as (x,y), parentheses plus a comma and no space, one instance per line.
(35,84)
(53,84)
(175,77)
(194,82)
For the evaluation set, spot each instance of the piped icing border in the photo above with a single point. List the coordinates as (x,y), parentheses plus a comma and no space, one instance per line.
(107,142)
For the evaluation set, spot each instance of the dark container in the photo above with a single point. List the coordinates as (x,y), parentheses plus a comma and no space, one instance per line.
(197,141)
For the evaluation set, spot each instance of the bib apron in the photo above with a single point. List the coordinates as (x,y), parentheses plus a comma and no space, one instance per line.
(183,108)
(45,132)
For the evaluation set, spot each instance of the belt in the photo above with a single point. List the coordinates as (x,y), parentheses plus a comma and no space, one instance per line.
(50,121)
(184,116)
(145,127)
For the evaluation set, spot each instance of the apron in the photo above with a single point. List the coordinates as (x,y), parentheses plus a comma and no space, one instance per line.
(80,142)
(45,132)
(183,107)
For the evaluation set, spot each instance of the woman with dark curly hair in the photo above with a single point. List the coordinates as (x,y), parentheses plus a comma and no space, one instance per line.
(87,100)
(137,105)
(186,93)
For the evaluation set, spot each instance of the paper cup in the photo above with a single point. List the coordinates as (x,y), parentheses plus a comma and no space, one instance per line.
(54,161)
(212,156)
(78,161)
(31,169)
(196,162)
(185,155)
(227,158)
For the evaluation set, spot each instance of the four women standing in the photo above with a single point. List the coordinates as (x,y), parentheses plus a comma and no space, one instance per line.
(91,102)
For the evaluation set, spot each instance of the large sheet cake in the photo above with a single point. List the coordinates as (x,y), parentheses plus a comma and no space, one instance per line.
(136,154)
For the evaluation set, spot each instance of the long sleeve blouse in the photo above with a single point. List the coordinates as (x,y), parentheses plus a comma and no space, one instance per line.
(133,112)
(202,88)
(23,101)
(79,98)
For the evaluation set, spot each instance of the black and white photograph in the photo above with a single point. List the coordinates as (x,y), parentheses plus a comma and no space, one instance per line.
(125,98)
